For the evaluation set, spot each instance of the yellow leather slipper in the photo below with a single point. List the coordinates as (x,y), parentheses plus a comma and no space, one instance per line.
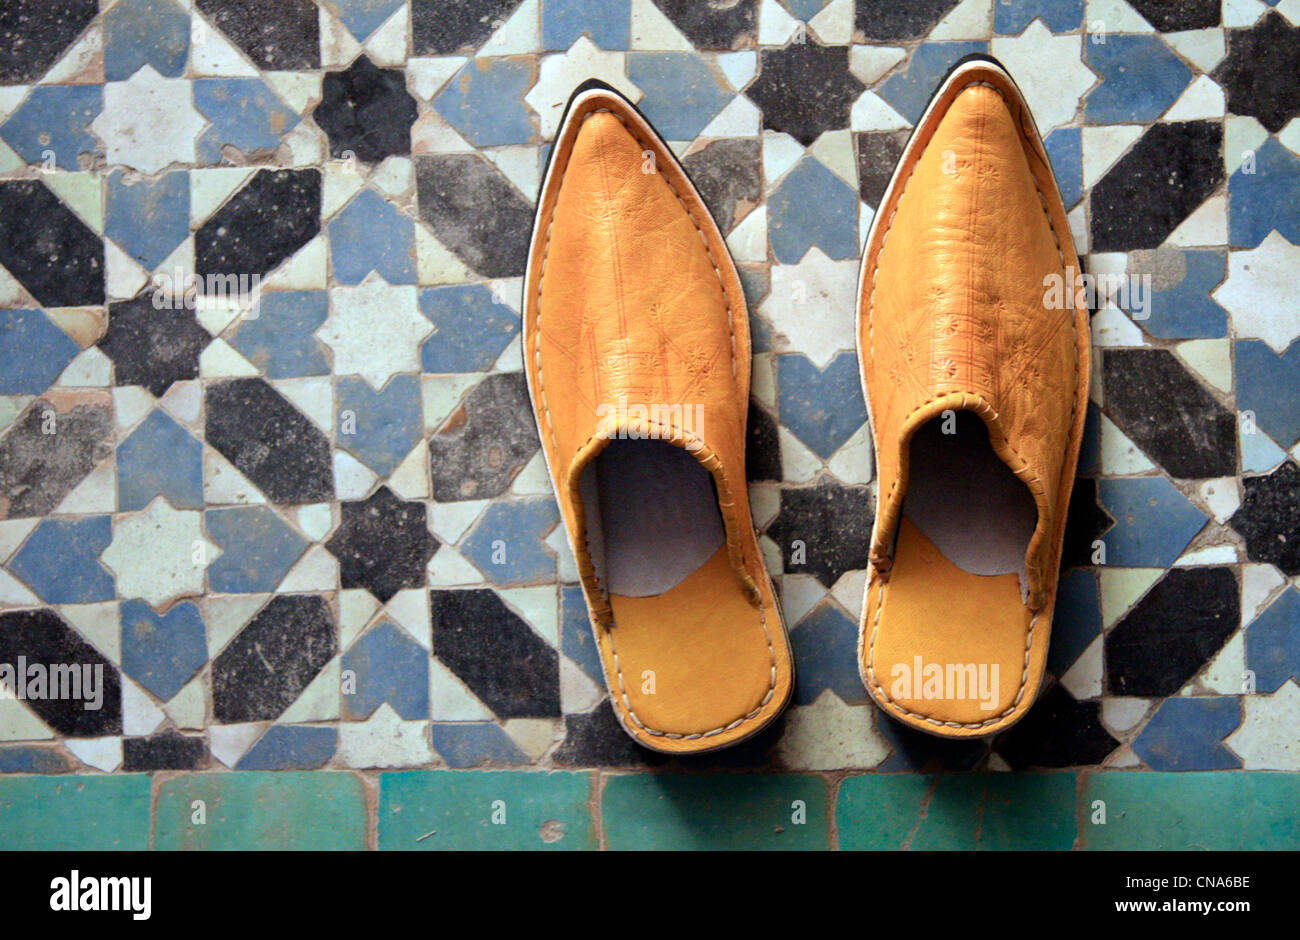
(636,346)
(974,348)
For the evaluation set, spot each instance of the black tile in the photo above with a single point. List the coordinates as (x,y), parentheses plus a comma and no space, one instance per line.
(170,750)
(269,663)
(1085,524)
(383,544)
(805,89)
(271,217)
(1171,16)
(500,658)
(823,530)
(37,468)
(1259,72)
(150,347)
(726,174)
(731,24)
(596,739)
(269,440)
(1156,185)
(47,248)
(441,28)
(762,446)
(916,750)
(366,111)
(1269,518)
(1172,632)
(485,442)
(878,153)
(34,34)
(889,19)
(43,640)
(276,34)
(1167,413)
(475,212)
(1057,732)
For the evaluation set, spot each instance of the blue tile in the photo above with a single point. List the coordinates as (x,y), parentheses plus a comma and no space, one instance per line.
(363,17)
(60,560)
(1153,522)
(908,91)
(1187,734)
(245,114)
(162,652)
(389,667)
(468,744)
(471,328)
(507,542)
(140,32)
(1266,199)
(257,549)
(1259,452)
(812,206)
(607,22)
(54,119)
(1273,643)
(1065,149)
(822,408)
(291,747)
(33,352)
(576,640)
(825,646)
(1076,621)
(371,234)
(1269,386)
(1186,310)
(148,218)
(485,101)
(681,94)
(160,458)
(279,339)
(1010,17)
(805,9)
(378,428)
(32,760)
(1141,78)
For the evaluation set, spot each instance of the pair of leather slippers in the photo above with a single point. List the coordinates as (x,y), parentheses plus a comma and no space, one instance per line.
(975,371)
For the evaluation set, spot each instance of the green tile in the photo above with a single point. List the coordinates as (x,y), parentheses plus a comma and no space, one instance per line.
(963,811)
(730,811)
(499,809)
(272,810)
(1216,810)
(75,813)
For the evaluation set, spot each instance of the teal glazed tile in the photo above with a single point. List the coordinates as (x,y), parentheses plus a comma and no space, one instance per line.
(732,811)
(965,811)
(501,810)
(323,810)
(1214,811)
(81,814)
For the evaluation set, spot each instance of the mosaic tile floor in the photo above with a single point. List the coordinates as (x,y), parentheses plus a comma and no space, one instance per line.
(319,536)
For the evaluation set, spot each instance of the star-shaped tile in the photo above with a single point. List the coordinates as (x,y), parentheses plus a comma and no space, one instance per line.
(366,111)
(811,305)
(559,74)
(375,330)
(823,530)
(383,544)
(1269,518)
(149,122)
(1259,292)
(1059,76)
(152,347)
(159,554)
(1259,71)
(805,89)
(1266,739)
